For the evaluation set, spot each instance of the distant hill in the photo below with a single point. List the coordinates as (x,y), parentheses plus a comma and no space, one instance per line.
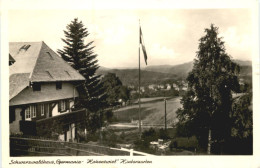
(101,68)
(246,70)
(180,70)
(130,76)
(159,73)
(243,63)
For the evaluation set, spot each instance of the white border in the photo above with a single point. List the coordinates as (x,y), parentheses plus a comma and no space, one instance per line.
(165,161)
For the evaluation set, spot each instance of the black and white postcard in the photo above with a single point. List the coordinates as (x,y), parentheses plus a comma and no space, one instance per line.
(120,84)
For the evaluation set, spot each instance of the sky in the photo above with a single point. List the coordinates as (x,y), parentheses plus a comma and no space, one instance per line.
(170,35)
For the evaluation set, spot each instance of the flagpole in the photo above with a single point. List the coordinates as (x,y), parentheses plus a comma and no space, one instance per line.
(139,110)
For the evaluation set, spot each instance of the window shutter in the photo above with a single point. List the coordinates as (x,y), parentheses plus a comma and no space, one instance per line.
(38,110)
(50,109)
(67,105)
(59,106)
(22,113)
(46,110)
(12,115)
(36,86)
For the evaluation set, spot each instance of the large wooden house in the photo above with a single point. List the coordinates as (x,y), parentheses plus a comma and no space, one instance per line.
(42,90)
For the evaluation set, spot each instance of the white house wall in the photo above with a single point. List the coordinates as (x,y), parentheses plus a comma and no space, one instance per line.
(71,103)
(48,93)
(15,125)
(73,131)
(61,137)
(55,111)
(70,134)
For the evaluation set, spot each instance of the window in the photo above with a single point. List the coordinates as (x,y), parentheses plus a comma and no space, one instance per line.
(36,86)
(68,73)
(33,111)
(27,113)
(63,105)
(25,47)
(58,85)
(50,55)
(42,109)
(48,72)
(30,112)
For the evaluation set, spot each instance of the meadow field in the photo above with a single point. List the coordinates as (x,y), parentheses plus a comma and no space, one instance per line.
(152,111)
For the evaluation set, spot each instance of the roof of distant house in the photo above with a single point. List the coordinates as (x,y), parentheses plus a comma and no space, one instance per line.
(40,62)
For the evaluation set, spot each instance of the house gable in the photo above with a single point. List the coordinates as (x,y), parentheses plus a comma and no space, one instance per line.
(36,62)
(25,57)
(51,67)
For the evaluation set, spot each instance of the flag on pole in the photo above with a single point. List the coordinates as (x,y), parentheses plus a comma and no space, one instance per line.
(143,47)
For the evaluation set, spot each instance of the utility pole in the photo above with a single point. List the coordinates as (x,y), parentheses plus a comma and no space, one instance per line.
(165,119)
(139,79)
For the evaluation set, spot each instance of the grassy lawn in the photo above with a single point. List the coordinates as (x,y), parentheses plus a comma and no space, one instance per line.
(151,112)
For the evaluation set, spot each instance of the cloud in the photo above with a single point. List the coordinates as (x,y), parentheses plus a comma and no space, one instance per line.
(162,20)
(95,31)
(162,52)
(170,36)
(115,35)
(235,40)
(238,44)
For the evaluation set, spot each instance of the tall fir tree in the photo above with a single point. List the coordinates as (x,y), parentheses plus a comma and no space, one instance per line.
(81,57)
(207,104)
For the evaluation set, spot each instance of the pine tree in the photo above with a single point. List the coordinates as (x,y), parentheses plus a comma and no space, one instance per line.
(81,57)
(208,101)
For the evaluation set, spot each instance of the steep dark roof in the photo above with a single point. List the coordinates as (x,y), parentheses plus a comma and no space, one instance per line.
(43,64)
(17,82)
(40,62)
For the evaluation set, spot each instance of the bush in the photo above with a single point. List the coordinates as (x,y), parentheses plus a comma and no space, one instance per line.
(147,137)
(184,143)
(122,135)
(163,134)
(150,135)
(109,115)
(173,145)
(92,137)
(143,146)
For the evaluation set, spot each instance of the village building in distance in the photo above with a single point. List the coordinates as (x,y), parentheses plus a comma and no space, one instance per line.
(42,90)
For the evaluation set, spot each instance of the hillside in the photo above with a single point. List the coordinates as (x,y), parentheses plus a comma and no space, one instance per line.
(180,70)
(243,63)
(160,73)
(151,112)
(130,76)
